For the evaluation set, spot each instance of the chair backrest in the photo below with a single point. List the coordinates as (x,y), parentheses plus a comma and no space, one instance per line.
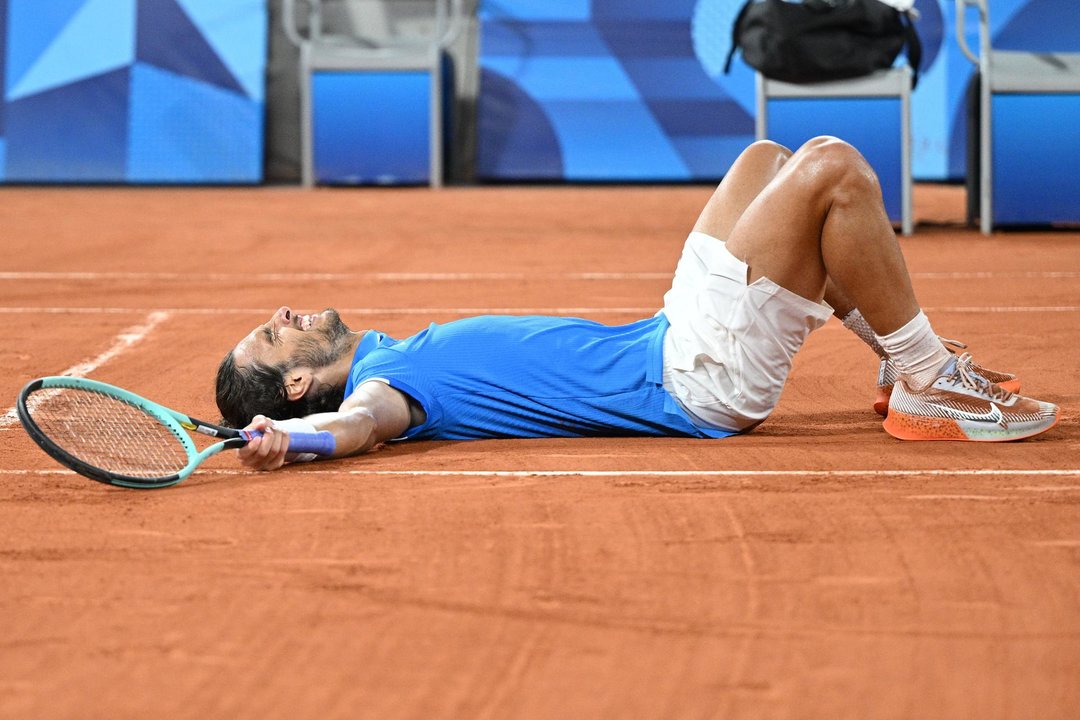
(378,26)
(984,29)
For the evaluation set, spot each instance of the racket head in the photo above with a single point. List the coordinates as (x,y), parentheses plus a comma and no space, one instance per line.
(107,433)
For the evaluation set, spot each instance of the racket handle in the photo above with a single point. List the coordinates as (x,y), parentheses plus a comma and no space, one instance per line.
(320,443)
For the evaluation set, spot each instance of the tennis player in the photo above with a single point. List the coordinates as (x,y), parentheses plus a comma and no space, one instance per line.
(786,240)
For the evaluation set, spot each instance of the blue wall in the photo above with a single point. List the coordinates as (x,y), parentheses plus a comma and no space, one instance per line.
(635,90)
(155,91)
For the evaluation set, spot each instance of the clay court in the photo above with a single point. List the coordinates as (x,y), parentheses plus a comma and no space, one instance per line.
(813,568)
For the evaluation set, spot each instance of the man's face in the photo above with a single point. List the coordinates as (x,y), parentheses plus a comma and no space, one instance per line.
(291,340)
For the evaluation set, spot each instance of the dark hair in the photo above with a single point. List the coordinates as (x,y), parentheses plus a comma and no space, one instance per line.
(244,392)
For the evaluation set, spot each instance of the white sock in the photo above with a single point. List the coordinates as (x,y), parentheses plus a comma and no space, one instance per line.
(916,351)
(856,323)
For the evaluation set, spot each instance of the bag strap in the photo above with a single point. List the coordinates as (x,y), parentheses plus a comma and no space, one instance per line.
(735,35)
(914,46)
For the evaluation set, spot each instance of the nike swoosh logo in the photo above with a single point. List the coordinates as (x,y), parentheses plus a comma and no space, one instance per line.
(993,415)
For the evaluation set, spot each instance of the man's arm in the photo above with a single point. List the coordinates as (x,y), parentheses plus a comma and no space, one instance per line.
(373,414)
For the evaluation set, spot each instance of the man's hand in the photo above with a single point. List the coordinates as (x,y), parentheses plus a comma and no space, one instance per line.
(266,452)
(373,414)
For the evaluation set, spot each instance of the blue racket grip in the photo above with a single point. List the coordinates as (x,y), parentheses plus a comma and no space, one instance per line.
(320,443)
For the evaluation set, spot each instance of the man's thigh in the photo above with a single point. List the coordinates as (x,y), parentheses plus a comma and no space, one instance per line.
(730,346)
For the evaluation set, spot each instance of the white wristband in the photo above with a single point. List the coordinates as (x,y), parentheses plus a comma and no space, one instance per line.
(298,425)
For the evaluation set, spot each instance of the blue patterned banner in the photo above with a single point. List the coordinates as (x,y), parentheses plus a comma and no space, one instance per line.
(635,89)
(152,91)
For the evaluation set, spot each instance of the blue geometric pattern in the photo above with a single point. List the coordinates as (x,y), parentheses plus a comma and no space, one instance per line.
(607,90)
(168,39)
(635,89)
(161,91)
(171,114)
(48,141)
(3,82)
(99,34)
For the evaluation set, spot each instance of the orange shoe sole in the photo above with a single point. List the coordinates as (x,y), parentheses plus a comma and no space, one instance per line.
(918,427)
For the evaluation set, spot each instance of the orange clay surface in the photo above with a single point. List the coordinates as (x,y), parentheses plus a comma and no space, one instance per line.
(816,568)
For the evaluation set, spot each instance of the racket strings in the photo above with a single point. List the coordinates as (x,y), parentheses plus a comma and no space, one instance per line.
(108,433)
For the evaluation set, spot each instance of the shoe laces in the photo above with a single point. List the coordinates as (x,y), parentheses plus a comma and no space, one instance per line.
(953,343)
(970,379)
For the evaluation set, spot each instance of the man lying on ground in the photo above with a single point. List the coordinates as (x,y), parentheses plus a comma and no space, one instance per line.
(786,240)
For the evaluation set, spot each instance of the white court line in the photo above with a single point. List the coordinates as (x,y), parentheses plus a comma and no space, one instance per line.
(717,473)
(627,310)
(123,341)
(999,309)
(351,277)
(453,276)
(343,311)
(307,470)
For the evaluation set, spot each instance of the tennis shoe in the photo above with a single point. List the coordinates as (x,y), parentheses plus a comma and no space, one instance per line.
(888,373)
(961,404)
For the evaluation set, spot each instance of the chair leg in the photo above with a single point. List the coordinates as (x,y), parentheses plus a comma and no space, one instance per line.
(907,224)
(435,123)
(761,122)
(986,175)
(307,141)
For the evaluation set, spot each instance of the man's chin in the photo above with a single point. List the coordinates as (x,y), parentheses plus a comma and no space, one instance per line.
(332,325)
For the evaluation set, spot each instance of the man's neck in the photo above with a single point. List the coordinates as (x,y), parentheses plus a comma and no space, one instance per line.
(338,372)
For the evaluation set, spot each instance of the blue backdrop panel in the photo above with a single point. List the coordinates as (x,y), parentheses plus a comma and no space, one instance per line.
(1036,149)
(168,39)
(666,59)
(183,130)
(3,83)
(99,34)
(371,127)
(862,122)
(76,132)
(607,90)
(30,29)
(132,90)
(228,28)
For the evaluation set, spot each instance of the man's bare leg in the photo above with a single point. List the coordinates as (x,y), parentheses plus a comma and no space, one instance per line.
(821,217)
(813,222)
(751,172)
(818,228)
(755,168)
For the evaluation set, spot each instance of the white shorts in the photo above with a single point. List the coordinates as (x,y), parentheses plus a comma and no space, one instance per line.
(728,351)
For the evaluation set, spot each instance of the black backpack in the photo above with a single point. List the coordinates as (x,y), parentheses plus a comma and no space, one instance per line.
(821,40)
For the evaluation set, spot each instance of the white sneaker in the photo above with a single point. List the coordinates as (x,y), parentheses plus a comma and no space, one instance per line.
(963,405)
(888,373)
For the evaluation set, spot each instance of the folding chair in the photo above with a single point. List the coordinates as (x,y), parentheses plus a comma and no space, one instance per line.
(1020,170)
(409,74)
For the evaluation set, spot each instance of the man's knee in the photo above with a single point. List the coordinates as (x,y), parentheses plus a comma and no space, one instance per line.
(836,167)
(768,150)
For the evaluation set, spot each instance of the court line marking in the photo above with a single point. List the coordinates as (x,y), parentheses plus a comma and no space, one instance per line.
(124,340)
(307,470)
(344,311)
(625,310)
(351,277)
(455,276)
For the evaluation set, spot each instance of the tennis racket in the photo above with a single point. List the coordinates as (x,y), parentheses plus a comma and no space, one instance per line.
(114,436)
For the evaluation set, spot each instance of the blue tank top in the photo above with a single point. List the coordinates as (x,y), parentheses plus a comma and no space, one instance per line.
(499,376)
